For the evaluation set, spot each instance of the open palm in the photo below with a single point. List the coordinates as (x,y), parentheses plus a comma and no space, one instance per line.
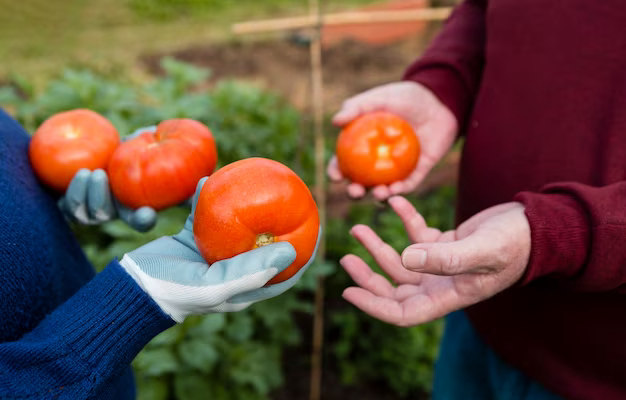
(485,255)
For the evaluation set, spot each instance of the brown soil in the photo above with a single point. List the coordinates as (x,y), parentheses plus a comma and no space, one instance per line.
(283,65)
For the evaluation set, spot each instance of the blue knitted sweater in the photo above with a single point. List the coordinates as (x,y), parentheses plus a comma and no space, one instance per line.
(65,332)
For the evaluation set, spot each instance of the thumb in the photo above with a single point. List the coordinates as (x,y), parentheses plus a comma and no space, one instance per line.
(140,131)
(142,219)
(345,115)
(470,254)
(273,258)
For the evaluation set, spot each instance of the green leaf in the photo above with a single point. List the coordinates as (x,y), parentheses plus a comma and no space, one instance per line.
(208,326)
(118,229)
(259,367)
(240,327)
(150,388)
(199,354)
(320,268)
(193,386)
(167,337)
(155,362)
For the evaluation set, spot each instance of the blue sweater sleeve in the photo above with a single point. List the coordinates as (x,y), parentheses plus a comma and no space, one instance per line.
(85,344)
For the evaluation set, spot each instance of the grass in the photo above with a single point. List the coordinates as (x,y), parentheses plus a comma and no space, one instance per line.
(38,38)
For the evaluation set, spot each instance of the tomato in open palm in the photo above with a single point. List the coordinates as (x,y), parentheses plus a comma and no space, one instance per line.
(377,148)
(251,203)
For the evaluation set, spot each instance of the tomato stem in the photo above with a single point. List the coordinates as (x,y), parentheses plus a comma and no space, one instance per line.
(264,239)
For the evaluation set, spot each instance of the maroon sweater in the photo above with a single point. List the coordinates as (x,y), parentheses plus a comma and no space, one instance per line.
(539,89)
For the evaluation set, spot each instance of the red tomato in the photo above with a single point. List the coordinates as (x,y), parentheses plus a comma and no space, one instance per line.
(378,148)
(252,203)
(69,141)
(161,169)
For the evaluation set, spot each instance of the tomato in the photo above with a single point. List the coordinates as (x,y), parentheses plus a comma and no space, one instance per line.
(161,169)
(69,141)
(378,148)
(251,203)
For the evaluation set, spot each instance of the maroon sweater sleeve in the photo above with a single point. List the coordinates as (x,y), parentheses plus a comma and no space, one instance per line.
(578,235)
(452,65)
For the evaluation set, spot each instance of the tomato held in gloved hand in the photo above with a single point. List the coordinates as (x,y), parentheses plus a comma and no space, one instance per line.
(378,148)
(251,203)
(160,168)
(70,141)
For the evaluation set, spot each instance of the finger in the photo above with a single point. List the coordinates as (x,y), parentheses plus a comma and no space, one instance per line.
(185,236)
(333,171)
(472,254)
(382,308)
(139,131)
(196,194)
(413,221)
(99,199)
(363,276)
(355,190)
(366,102)
(349,110)
(447,236)
(381,192)
(412,181)
(431,303)
(143,219)
(76,196)
(248,268)
(386,257)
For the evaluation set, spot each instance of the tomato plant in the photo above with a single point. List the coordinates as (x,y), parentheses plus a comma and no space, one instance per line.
(161,169)
(252,203)
(69,141)
(377,148)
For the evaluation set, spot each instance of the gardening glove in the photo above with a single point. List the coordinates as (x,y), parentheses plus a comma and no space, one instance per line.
(88,200)
(172,271)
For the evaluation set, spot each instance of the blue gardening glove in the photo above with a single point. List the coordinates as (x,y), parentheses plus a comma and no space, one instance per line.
(89,201)
(172,271)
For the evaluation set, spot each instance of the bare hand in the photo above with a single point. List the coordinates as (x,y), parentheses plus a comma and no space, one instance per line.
(435,125)
(442,272)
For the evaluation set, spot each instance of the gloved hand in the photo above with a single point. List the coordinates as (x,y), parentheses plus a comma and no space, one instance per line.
(88,200)
(172,271)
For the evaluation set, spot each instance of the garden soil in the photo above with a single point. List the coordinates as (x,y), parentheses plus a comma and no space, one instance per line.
(282,65)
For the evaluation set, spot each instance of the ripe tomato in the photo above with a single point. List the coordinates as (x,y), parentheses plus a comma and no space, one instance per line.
(161,169)
(252,203)
(378,148)
(69,141)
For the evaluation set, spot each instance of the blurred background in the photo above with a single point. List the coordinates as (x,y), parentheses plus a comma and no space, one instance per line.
(141,61)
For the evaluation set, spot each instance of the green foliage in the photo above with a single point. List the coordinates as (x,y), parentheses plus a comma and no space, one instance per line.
(171,9)
(167,10)
(239,355)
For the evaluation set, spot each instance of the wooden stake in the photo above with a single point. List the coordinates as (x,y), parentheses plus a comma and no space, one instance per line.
(317,102)
(352,17)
